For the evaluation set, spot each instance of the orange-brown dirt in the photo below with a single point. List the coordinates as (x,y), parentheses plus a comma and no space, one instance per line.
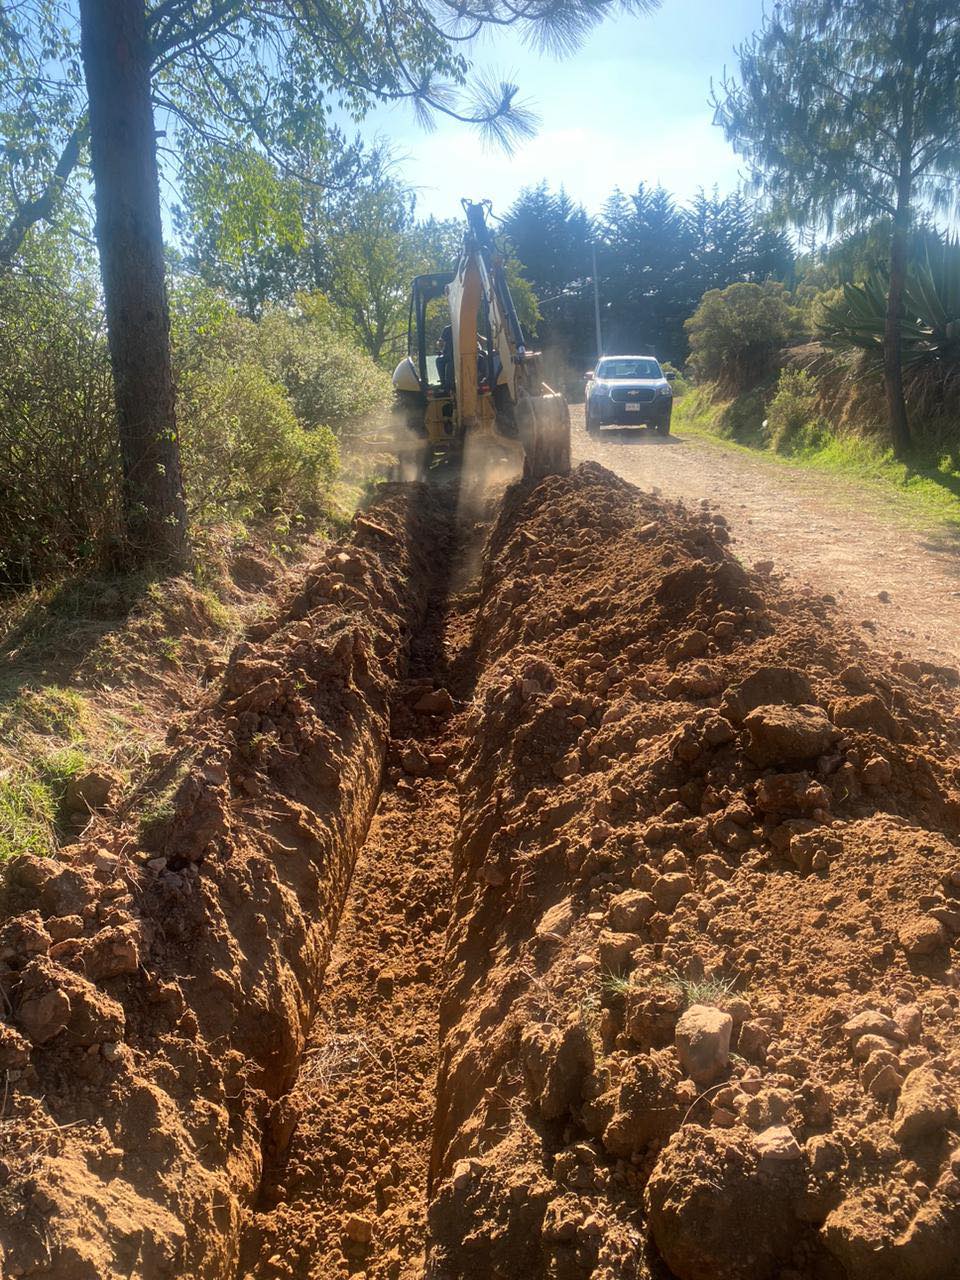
(701,1007)
(646,966)
(161,980)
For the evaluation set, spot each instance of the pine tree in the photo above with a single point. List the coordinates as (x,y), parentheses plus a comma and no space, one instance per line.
(846,112)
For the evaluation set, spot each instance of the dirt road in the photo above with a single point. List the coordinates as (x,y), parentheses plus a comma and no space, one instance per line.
(899,584)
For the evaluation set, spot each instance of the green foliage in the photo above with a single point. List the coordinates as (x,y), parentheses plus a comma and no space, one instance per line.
(929,327)
(58,449)
(833,101)
(246,76)
(245,225)
(49,710)
(736,333)
(258,401)
(27,815)
(31,791)
(655,260)
(329,381)
(244,451)
(794,419)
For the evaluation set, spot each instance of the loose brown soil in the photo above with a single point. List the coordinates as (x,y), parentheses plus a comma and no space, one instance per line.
(898,578)
(641,944)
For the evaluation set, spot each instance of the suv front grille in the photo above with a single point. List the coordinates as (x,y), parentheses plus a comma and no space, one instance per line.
(640,395)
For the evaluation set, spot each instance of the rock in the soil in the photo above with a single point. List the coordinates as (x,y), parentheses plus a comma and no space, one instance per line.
(692,645)
(909,1020)
(777,1144)
(113,952)
(645,1105)
(357,1229)
(871,1022)
(877,772)
(90,791)
(630,910)
(884,1082)
(414,761)
(926,1104)
(764,1109)
(14,1048)
(556,1063)
(867,712)
(44,1014)
(791,793)
(616,950)
(435,702)
(782,734)
(557,920)
(54,1000)
(22,938)
(857,1232)
(753,1041)
(714,1214)
(667,890)
(767,687)
(921,936)
(702,1041)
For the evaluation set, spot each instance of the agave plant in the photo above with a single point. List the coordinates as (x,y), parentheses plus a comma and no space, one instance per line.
(929,326)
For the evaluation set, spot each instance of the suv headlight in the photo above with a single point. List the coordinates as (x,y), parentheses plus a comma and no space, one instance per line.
(665,390)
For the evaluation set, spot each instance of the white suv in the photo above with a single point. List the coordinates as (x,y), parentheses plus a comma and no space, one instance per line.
(629,391)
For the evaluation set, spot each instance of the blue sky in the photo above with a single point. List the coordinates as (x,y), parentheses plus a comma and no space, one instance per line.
(630,106)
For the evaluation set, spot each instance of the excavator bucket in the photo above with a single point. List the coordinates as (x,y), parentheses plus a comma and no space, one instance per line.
(543,425)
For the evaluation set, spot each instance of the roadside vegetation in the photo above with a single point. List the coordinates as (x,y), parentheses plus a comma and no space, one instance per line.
(801,375)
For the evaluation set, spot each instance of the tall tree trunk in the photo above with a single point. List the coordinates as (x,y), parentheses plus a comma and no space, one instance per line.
(123,150)
(897,419)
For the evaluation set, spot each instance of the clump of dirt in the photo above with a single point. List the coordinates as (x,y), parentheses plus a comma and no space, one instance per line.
(701,1008)
(161,979)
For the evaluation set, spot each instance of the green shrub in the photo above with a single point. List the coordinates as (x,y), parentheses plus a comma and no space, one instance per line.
(244,452)
(736,334)
(331,381)
(59,458)
(794,420)
(744,419)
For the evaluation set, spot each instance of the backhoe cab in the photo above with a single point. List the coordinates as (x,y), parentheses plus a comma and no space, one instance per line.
(468,373)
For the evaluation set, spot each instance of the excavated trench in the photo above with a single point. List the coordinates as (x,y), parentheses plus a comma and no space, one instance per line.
(589,919)
(346,1191)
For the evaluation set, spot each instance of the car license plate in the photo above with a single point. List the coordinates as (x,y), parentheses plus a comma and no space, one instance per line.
(632,408)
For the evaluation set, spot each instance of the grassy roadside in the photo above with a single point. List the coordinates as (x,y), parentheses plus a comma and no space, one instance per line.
(94,667)
(924,492)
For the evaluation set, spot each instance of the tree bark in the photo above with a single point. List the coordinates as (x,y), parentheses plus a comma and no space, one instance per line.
(123,148)
(898,422)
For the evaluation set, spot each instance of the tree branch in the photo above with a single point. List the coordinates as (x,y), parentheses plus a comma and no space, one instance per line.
(41,208)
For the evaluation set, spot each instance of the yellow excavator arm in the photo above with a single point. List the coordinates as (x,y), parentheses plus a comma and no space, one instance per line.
(488,384)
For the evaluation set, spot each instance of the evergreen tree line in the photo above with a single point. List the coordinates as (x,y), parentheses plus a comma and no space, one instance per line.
(655,259)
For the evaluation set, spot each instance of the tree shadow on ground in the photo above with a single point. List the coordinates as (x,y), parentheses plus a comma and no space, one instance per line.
(51,633)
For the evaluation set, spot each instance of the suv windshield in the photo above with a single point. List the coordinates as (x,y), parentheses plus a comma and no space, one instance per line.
(629,369)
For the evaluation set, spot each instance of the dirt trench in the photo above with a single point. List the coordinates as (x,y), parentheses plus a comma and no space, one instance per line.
(161,978)
(638,875)
(347,1193)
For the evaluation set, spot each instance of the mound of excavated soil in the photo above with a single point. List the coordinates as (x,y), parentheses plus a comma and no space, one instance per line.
(159,982)
(671,889)
(702,1007)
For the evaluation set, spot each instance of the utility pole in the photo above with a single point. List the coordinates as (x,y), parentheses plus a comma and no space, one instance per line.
(596,301)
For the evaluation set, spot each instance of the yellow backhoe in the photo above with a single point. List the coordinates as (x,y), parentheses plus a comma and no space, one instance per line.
(469,376)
